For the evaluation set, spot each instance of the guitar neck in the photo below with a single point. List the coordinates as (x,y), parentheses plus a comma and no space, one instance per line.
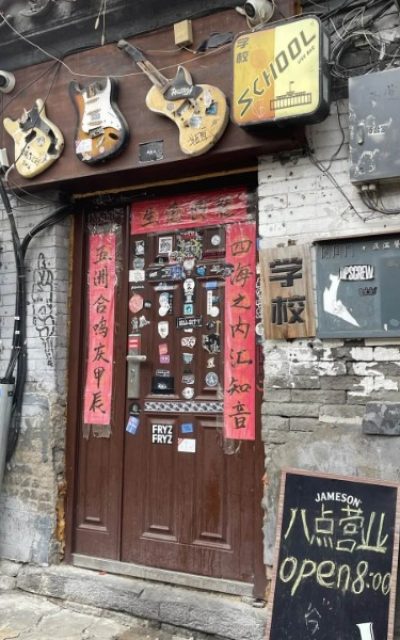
(154,75)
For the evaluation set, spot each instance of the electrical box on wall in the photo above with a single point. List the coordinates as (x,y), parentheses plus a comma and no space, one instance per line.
(374,120)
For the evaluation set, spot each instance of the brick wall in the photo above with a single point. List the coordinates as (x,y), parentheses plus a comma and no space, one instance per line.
(36,472)
(316,390)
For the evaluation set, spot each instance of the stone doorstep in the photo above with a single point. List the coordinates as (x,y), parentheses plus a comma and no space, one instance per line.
(226,617)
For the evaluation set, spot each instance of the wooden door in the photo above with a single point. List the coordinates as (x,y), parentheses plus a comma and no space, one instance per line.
(187,490)
(165,487)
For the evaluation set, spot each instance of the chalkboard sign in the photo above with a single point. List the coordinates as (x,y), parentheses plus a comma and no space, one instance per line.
(335,560)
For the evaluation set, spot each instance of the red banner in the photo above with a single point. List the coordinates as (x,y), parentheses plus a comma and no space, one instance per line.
(191,210)
(101,298)
(240,344)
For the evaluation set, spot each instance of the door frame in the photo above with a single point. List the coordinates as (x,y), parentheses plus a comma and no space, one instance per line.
(74,407)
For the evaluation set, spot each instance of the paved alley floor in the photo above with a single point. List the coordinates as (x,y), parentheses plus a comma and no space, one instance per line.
(28,617)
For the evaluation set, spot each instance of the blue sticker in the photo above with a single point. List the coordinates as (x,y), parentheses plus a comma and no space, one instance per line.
(211,284)
(133,424)
(187,427)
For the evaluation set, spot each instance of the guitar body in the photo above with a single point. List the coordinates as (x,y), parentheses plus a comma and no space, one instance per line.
(38,142)
(102,130)
(201,121)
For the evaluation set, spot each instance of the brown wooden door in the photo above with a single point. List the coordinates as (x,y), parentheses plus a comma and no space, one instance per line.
(187,492)
(162,486)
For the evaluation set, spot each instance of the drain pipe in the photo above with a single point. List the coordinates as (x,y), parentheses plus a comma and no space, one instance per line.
(6,403)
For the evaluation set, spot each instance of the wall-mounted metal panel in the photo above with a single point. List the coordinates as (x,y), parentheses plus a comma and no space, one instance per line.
(357,287)
(374,118)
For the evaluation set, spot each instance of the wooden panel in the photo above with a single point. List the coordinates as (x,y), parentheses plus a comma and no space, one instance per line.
(236,148)
(160,484)
(288,303)
(211,490)
(95,521)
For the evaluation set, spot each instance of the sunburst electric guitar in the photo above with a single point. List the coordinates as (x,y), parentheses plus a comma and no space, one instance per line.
(37,141)
(102,130)
(200,111)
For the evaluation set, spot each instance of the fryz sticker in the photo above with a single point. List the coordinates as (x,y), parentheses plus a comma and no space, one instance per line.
(161,433)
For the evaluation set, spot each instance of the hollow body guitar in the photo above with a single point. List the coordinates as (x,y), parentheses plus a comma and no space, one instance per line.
(102,130)
(200,111)
(38,142)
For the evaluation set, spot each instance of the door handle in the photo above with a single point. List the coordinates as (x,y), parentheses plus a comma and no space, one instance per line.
(136,358)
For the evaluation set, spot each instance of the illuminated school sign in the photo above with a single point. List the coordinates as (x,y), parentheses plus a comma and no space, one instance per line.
(281,73)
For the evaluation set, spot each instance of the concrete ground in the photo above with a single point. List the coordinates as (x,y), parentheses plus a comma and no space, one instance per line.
(29,617)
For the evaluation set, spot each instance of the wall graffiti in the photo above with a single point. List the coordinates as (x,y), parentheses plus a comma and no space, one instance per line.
(42,311)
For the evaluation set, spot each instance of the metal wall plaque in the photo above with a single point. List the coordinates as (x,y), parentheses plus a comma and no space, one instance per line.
(357,284)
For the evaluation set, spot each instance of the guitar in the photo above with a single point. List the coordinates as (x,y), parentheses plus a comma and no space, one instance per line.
(38,141)
(102,130)
(199,111)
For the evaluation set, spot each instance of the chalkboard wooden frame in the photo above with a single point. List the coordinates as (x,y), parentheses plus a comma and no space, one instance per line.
(282,624)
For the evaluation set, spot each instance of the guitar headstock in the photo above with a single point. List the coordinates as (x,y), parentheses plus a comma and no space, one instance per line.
(132,51)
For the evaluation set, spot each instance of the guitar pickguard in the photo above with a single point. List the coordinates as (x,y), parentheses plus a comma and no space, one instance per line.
(98,113)
(102,131)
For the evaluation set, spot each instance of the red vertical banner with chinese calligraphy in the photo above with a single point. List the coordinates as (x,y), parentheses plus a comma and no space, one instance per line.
(240,318)
(101,300)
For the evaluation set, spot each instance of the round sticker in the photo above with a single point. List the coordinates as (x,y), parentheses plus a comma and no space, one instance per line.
(211,379)
(188,264)
(216,240)
(135,303)
(138,263)
(188,393)
(214,312)
(259,329)
(188,285)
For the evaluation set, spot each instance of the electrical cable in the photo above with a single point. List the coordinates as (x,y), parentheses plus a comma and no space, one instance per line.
(124,75)
(374,206)
(326,172)
(18,355)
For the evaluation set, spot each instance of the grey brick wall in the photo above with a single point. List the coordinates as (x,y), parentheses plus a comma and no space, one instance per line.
(315,391)
(29,492)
